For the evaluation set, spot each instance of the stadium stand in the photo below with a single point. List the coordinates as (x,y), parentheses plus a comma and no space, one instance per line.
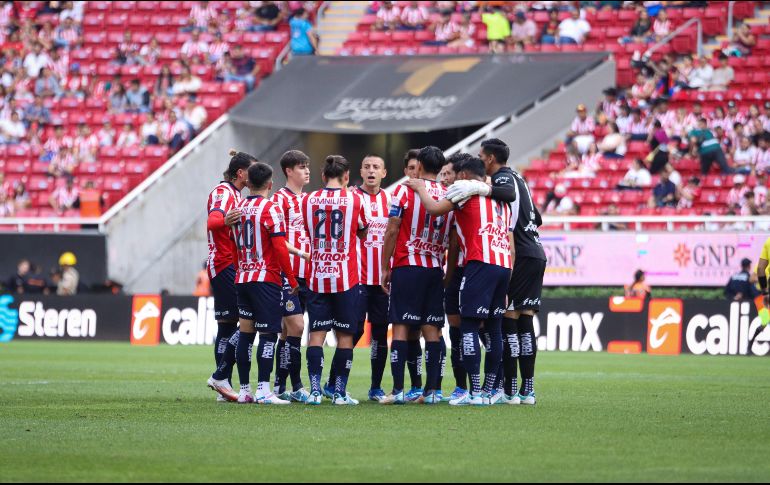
(106,91)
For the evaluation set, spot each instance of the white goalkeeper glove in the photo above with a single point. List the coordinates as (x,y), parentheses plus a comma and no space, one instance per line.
(464,189)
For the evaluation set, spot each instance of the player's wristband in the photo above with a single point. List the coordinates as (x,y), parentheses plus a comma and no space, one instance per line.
(763,284)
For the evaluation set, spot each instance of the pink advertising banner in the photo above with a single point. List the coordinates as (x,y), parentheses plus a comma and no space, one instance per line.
(669,259)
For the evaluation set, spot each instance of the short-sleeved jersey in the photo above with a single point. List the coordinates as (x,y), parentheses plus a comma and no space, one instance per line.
(222,251)
(483,229)
(370,248)
(423,239)
(333,217)
(257,260)
(296,235)
(525,223)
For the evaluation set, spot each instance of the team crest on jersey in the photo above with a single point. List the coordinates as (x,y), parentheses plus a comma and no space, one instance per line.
(290,306)
(219,197)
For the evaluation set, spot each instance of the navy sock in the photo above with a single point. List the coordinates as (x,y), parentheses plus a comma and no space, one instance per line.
(265,356)
(379,354)
(281,366)
(294,345)
(225,330)
(432,365)
(398,351)
(343,362)
(471,352)
(528,352)
(494,354)
(510,355)
(455,340)
(414,362)
(226,364)
(243,356)
(442,365)
(315,367)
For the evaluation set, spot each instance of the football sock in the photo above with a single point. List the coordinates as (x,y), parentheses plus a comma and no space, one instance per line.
(432,365)
(295,361)
(343,362)
(455,339)
(315,367)
(510,355)
(225,369)
(225,330)
(528,351)
(442,365)
(414,362)
(471,351)
(265,356)
(494,355)
(379,354)
(243,356)
(398,350)
(281,366)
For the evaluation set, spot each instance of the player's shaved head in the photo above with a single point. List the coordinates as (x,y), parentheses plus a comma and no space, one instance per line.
(260,175)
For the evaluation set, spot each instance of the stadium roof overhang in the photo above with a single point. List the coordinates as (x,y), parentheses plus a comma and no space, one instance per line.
(406,94)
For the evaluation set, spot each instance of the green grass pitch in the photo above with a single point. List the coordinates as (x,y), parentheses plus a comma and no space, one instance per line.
(111,412)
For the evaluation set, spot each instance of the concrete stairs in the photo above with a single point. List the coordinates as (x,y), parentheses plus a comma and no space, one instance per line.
(338,21)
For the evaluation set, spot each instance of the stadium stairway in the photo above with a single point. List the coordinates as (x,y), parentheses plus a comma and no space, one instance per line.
(336,24)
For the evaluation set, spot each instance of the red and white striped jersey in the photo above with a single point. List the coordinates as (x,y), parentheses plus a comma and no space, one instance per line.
(290,204)
(583,127)
(222,250)
(370,248)
(257,260)
(483,229)
(333,217)
(423,239)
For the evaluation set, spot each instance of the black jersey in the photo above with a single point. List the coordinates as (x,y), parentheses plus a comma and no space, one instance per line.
(526,221)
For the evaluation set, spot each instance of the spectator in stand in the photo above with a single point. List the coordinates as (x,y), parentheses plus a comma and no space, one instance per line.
(64,196)
(63,162)
(70,278)
(138,98)
(241,68)
(388,17)
(304,40)
(414,17)
(662,26)
(684,70)
(86,145)
(12,131)
(118,99)
(612,210)
(744,41)
(203,12)
(467,33)
(445,29)
(643,90)
(749,206)
(664,194)
(150,53)
(188,82)
(174,132)
(641,30)
(523,30)
(639,289)
(673,175)
(550,32)
(217,48)
(737,193)
(659,144)
(7,207)
(150,130)
(21,198)
(637,177)
(5,185)
(37,114)
(558,202)
(127,52)
(744,156)
(708,149)
(164,85)
(78,84)
(36,60)
(68,34)
(106,134)
(762,156)
(689,194)
(498,28)
(268,16)
(195,47)
(614,144)
(573,30)
(90,201)
(611,104)
(581,133)
(127,137)
(194,115)
(702,76)
(723,75)
(47,85)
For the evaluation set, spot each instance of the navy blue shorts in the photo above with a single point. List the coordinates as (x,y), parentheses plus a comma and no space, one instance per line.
(339,311)
(261,303)
(374,305)
(452,293)
(225,295)
(483,290)
(294,304)
(417,296)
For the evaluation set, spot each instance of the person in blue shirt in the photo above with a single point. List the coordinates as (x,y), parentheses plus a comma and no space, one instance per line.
(304,41)
(740,287)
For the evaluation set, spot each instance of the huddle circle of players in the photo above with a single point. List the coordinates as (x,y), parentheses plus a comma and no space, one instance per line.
(464,250)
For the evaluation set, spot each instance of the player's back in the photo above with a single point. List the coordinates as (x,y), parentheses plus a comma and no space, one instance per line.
(333,218)
(257,260)
(422,239)
(483,229)
(222,250)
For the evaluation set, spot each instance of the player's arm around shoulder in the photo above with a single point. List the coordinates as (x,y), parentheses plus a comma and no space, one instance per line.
(433,207)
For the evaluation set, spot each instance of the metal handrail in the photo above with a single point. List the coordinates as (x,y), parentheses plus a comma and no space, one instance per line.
(730,19)
(665,40)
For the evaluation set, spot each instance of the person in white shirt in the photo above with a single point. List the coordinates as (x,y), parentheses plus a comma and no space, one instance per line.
(195,47)
(127,137)
(702,76)
(744,156)
(194,114)
(106,135)
(573,30)
(723,75)
(150,130)
(36,60)
(12,130)
(186,83)
(637,177)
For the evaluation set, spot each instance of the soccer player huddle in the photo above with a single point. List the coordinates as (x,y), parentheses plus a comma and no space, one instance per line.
(464,249)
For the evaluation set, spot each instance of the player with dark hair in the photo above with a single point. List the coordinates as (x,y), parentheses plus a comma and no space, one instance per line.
(221,261)
(262,258)
(296,167)
(483,229)
(417,242)
(334,217)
